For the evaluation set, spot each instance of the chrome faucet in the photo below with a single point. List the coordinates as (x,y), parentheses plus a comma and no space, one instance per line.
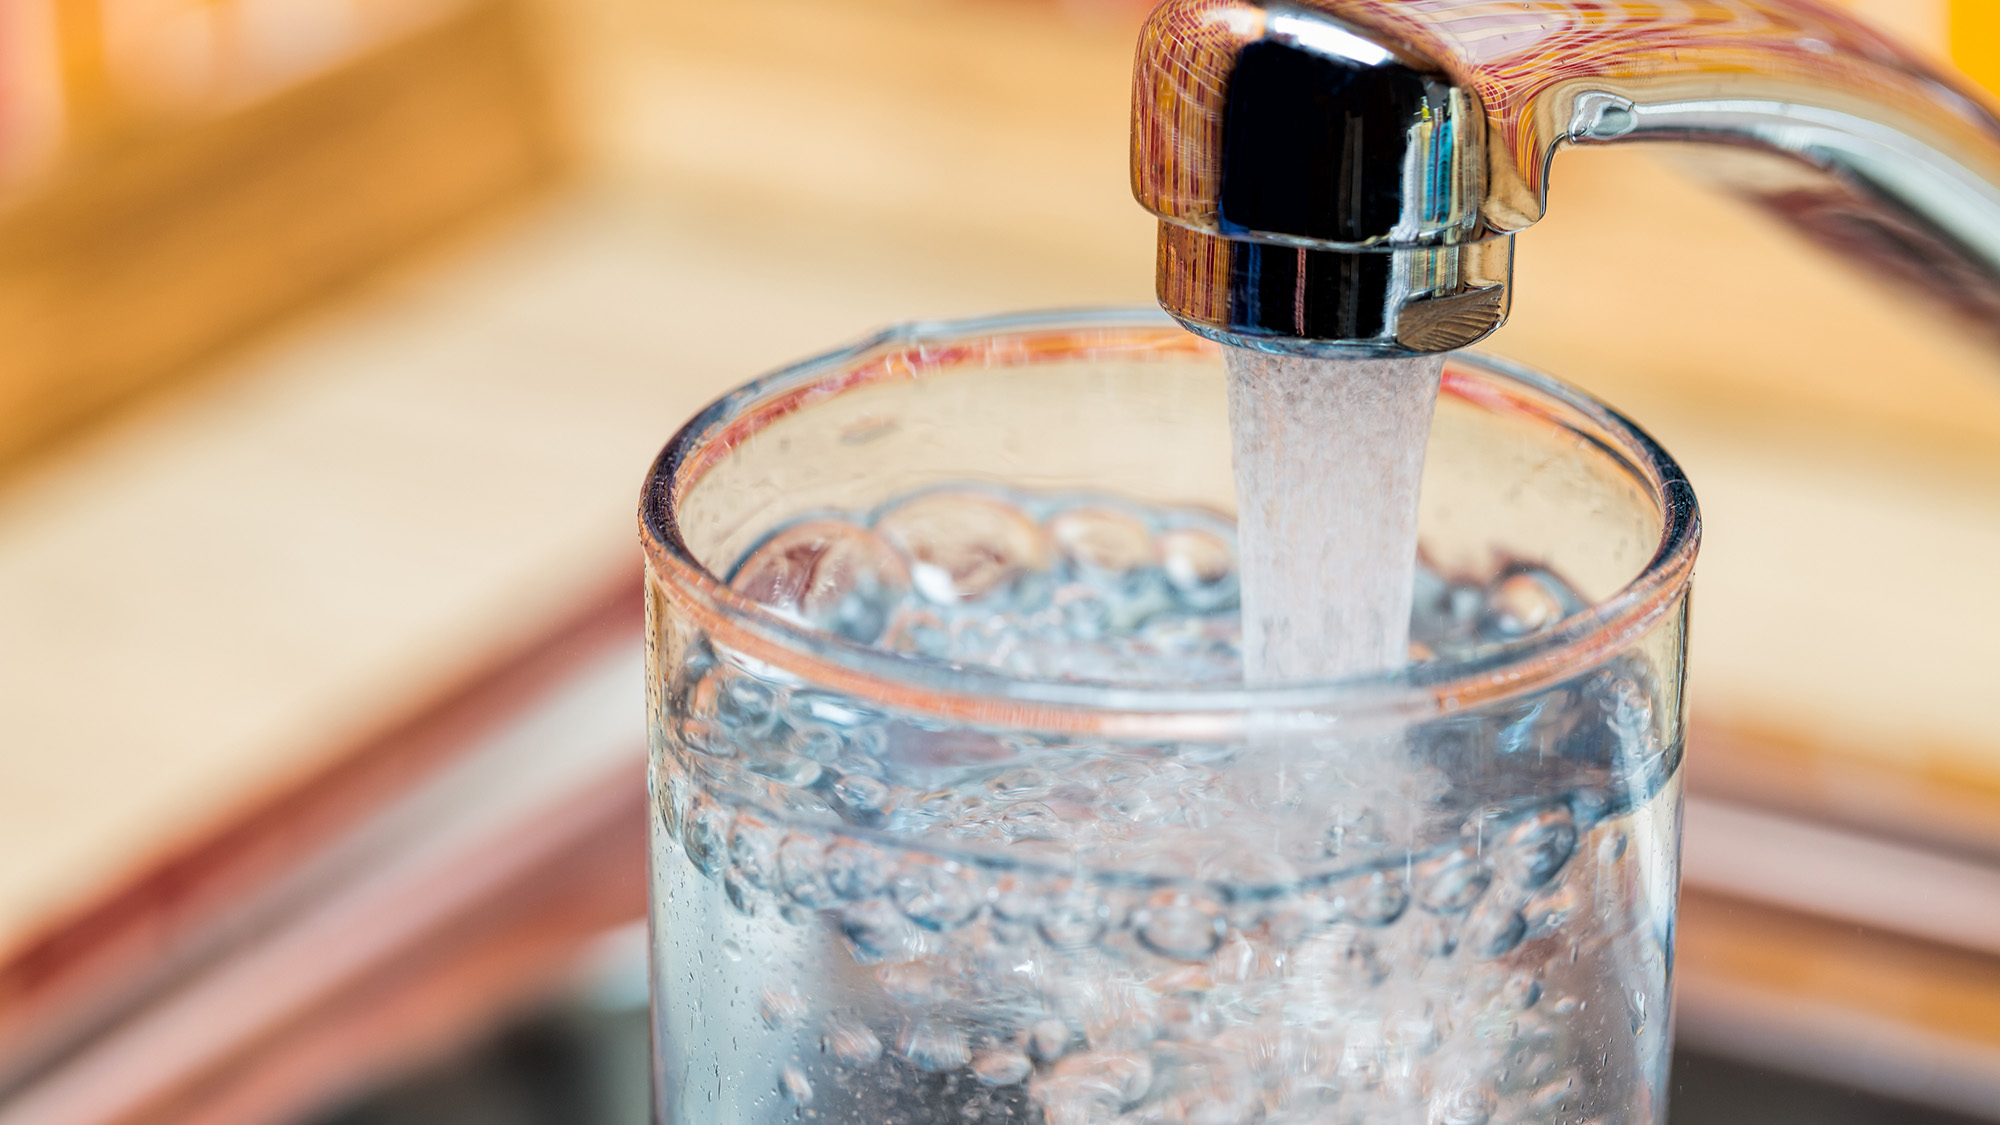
(1348,175)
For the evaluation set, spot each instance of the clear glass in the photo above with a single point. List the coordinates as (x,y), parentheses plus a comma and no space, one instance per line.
(1056,879)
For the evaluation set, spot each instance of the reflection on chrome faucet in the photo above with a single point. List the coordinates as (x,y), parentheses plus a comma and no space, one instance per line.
(1348,174)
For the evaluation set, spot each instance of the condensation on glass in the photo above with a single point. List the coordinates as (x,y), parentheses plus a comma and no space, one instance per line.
(961,814)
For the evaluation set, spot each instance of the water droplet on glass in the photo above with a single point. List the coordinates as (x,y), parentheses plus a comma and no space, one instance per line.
(1548,1099)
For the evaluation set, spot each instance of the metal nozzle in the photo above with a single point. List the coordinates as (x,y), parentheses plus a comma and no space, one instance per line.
(1318,188)
(1346,175)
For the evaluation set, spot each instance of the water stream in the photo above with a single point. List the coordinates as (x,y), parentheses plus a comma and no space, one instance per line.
(1329,457)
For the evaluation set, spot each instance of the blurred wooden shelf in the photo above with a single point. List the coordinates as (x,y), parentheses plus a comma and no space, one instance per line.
(1871,1008)
(430,879)
(155,240)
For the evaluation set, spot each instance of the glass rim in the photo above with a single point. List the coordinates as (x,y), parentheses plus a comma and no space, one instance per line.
(979,695)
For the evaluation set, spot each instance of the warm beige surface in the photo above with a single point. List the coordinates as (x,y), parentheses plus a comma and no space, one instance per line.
(162,235)
(195,605)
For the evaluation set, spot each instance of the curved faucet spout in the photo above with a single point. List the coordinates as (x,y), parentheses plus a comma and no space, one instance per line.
(1346,174)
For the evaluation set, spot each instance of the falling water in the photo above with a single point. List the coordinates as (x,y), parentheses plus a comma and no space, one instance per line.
(1329,458)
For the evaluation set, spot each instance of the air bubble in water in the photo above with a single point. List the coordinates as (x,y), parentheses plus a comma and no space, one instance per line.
(780,1006)
(829,574)
(914,983)
(1181,927)
(1374,900)
(1521,992)
(1535,849)
(1031,820)
(797,1089)
(1001,1066)
(1628,712)
(1048,1040)
(936,896)
(855,870)
(1549,909)
(821,744)
(1102,540)
(738,891)
(851,1042)
(1074,919)
(707,839)
(784,767)
(747,708)
(1452,882)
(876,928)
(1520,604)
(1463,1105)
(754,847)
(1097,1081)
(963,544)
(862,794)
(1492,930)
(933,1045)
(1019,784)
(802,871)
(1201,566)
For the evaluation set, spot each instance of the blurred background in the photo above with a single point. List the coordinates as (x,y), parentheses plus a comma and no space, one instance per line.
(336,335)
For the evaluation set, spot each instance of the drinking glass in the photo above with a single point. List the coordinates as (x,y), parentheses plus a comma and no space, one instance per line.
(962,811)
